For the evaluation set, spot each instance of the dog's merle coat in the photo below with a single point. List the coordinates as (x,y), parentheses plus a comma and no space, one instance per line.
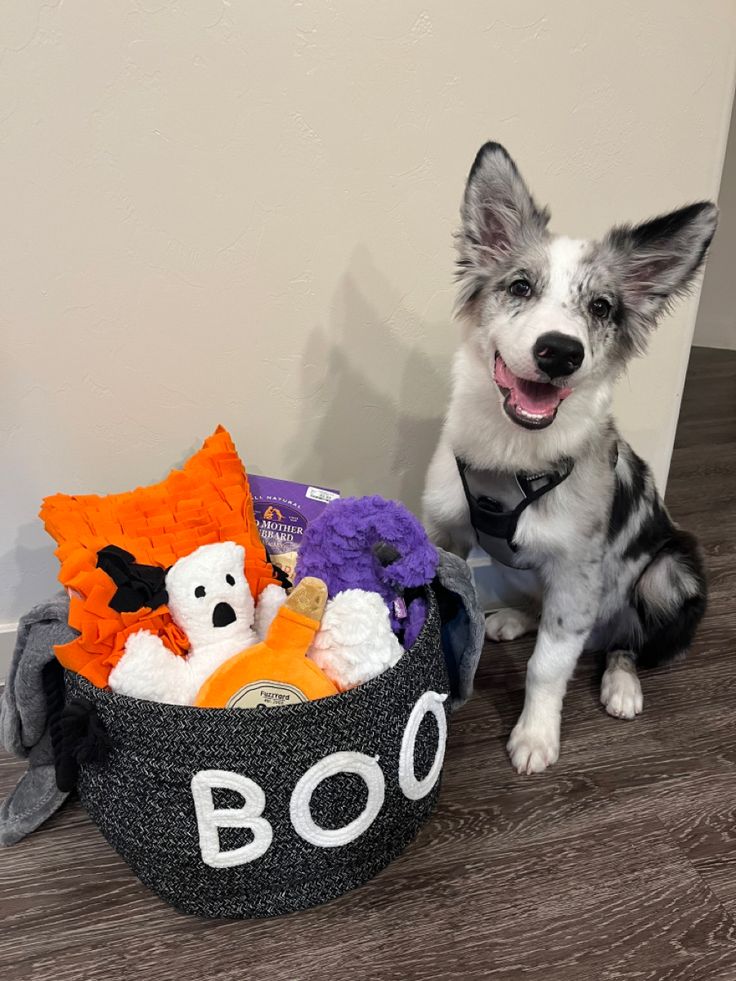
(617,574)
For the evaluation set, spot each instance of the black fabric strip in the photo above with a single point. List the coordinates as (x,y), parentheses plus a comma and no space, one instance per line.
(138,585)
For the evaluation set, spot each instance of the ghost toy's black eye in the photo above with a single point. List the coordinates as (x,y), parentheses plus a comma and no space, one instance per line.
(600,307)
(200,592)
(229,580)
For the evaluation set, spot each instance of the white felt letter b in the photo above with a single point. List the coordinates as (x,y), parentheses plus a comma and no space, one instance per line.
(248,815)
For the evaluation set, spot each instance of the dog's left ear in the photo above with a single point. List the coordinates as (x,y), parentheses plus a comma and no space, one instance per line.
(657,261)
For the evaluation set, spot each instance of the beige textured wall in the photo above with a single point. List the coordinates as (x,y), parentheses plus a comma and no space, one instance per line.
(716,323)
(242,213)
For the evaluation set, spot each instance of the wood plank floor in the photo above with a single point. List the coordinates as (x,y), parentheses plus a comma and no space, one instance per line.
(619,863)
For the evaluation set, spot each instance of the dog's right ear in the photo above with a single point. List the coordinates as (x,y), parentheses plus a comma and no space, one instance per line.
(497,211)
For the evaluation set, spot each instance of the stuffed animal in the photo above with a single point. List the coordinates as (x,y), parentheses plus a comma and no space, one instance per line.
(210,599)
(275,672)
(369,543)
(355,642)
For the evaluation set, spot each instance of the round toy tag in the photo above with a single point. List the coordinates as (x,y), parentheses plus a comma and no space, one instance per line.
(268,693)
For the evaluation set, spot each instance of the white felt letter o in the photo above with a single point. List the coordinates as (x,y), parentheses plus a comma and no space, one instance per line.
(210,818)
(367,768)
(413,789)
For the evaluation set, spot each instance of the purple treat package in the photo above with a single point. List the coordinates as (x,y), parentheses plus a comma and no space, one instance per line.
(284,510)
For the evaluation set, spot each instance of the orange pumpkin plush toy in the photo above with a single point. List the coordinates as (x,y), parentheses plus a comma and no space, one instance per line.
(115,550)
(277,671)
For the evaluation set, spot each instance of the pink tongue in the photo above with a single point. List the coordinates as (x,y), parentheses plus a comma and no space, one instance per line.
(537,398)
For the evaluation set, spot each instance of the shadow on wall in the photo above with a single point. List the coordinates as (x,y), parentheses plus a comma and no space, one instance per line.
(372,400)
(28,572)
(375,417)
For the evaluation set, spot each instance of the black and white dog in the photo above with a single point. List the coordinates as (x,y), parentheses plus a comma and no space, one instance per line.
(530,463)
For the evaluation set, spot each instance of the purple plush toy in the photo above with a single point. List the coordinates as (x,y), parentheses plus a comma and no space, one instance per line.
(377,545)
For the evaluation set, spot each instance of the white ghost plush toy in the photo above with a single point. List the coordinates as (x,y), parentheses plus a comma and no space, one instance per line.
(210,599)
(355,641)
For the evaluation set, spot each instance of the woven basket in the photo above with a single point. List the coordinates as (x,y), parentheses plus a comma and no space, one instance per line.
(248,813)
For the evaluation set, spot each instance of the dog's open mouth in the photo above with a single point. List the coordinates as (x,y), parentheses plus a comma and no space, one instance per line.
(530,404)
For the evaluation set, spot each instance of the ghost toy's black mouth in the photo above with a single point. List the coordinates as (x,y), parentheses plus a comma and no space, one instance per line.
(222,615)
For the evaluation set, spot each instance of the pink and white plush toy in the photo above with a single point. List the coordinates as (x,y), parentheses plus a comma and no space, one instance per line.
(355,641)
(210,599)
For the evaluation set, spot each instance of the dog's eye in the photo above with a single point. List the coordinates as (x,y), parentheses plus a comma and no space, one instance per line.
(229,580)
(600,307)
(200,592)
(520,288)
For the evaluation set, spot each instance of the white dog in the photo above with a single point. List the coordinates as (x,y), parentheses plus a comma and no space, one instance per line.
(530,463)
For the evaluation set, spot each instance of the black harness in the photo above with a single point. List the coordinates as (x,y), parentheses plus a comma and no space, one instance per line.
(497,500)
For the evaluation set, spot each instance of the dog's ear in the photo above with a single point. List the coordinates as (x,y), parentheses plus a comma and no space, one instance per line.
(497,212)
(657,260)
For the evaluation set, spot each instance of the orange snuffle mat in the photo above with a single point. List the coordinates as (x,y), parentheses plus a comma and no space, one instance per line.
(207,501)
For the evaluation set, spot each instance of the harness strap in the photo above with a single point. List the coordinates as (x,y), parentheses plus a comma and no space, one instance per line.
(487,515)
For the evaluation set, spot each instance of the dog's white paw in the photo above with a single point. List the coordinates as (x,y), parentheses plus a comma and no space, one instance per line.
(621,693)
(509,624)
(533,748)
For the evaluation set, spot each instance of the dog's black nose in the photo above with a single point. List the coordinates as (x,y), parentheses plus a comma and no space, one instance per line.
(222,615)
(558,354)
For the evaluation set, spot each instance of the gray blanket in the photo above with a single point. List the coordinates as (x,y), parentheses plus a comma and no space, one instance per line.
(463,625)
(24,721)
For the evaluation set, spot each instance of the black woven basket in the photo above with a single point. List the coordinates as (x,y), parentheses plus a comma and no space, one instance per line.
(335,789)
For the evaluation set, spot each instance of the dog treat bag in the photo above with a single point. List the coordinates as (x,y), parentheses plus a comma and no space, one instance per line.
(284,510)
